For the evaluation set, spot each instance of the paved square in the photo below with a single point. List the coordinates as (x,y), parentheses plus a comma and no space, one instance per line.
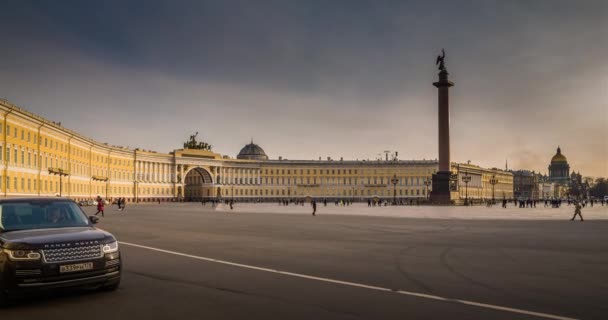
(526,260)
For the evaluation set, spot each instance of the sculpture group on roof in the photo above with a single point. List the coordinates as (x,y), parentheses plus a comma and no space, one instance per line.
(198,145)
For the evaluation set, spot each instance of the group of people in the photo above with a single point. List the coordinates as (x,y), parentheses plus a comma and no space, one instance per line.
(120,203)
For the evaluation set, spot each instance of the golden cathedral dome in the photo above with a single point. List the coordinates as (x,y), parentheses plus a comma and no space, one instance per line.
(559,157)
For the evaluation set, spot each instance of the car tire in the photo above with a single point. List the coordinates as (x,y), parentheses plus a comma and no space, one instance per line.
(4,299)
(111,287)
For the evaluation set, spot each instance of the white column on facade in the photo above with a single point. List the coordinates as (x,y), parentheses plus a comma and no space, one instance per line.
(152,172)
(156,171)
(167,172)
(140,171)
(163,172)
(144,171)
(174,172)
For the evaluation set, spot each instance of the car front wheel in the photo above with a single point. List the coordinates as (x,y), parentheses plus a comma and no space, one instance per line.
(111,287)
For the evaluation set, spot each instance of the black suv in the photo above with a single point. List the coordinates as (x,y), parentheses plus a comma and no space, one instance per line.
(48,243)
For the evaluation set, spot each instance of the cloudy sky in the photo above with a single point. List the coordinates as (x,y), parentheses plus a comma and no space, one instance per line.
(306,79)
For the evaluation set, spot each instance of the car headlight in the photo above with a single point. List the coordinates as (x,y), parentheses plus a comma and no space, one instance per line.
(110,247)
(31,255)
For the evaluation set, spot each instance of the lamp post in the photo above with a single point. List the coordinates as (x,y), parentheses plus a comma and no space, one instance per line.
(136,191)
(466,179)
(427,183)
(493,182)
(394,181)
(61,173)
(105,179)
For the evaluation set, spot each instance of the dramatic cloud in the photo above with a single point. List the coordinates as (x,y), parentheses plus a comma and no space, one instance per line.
(306,79)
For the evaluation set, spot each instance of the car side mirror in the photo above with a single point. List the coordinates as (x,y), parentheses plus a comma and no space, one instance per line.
(93,219)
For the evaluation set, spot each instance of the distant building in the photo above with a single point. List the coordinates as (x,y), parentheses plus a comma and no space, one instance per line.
(560,182)
(33,150)
(559,169)
(525,184)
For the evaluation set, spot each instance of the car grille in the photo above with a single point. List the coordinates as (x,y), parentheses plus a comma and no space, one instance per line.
(72,253)
(32,272)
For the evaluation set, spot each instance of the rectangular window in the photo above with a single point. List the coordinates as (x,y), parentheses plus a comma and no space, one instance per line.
(15,160)
(22,135)
(46,142)
(15,181)
(8,130)
(22,157)
(8,182)
(15,132)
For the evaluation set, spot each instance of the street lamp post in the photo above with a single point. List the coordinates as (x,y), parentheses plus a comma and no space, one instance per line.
(105,179)
(466,179)
(427,183)
(136,191)
(61,173)
(394,181)
(493,182)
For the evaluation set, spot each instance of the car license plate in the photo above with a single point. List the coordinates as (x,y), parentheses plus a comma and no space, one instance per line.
(76,267)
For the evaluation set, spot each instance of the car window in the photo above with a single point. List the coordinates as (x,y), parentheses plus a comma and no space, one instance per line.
(40,214)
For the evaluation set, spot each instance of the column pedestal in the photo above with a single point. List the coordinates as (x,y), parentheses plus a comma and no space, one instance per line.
(441,188)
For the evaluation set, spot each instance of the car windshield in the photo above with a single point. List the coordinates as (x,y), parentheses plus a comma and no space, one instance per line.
(40,214)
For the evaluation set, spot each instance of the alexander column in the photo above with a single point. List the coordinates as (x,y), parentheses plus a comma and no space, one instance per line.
(441,180)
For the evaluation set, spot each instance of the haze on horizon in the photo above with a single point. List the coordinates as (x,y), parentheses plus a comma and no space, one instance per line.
(309,79)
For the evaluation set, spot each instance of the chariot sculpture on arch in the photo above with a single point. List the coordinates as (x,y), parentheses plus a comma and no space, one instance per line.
(193,144)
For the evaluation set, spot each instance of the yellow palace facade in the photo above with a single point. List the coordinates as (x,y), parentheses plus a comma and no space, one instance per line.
(42,158)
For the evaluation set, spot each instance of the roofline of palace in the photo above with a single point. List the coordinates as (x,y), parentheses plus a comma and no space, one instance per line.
(10,108)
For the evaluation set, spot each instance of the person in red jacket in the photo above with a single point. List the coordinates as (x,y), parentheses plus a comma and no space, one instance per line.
(99,206)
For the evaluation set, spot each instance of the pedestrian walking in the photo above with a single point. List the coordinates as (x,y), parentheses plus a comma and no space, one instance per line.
(231,204)
(123,202)
(99,206)
(577,211)
(314,207)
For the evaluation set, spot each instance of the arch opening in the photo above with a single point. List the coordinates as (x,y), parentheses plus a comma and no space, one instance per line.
(198,185)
